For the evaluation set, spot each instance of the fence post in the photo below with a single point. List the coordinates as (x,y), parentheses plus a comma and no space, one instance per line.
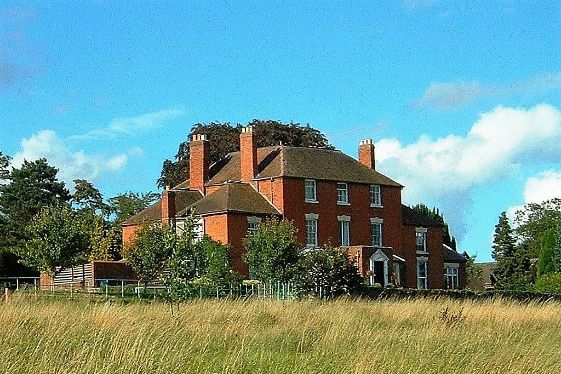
(6,294)
(35,285)
(71,290)
(17,284)
(106,289)
(138,289)
(217,292)
(122,289)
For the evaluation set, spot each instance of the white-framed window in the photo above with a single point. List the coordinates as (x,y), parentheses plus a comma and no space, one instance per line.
(375,195)
(342,193)
(312,230)
(422,274)
(253,225)
(198,229)
(376,224)
(344,230)
(421,239)
(310,192)
(451,276)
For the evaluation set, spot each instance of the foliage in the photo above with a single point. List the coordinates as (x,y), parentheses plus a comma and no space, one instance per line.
(88,197)
(547,262)
(534,220)
(149,250)
(214,266)
(4,163)
(549,283)
(329,270)
(56,237)
(504,252)
(437,217)
(224,139)
(474,272)
(126,205)
(273,251)
(105,239)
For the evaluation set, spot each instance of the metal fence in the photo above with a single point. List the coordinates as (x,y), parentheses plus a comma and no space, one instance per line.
(128,288)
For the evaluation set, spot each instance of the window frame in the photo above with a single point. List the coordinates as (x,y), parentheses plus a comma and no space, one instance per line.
(344,230)
(313,187)
(422,281)
(373,193)
(253,223)
(452,276)
(421,232)
(312,218)
(376,222)
(344,188)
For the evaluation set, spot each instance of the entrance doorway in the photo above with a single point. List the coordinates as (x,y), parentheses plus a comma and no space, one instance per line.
(379,274)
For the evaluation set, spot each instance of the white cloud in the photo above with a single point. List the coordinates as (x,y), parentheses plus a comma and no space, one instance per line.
(71,164)
(544,186)
(448,168)
(447,95)
(132,125)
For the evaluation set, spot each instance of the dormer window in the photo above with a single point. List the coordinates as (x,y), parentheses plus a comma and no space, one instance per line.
(375,195)
(310,193)
(342,194)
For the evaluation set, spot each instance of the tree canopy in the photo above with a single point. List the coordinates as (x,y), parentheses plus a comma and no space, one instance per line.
(224,139)
(435,215)
(125,205)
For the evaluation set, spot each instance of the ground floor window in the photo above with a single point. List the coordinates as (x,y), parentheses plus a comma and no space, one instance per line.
(344,230)
(396,274)
(312,230)
(451,277)
(422,273)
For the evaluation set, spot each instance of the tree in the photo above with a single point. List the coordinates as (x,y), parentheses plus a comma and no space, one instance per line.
(327,271)
(273,251)
(150,249)
(213,267)
(224,139)
(505,253)
(474,272)
(534,220)
(56,238)
(547,262)
(4,163)
(126,205)
(87,197)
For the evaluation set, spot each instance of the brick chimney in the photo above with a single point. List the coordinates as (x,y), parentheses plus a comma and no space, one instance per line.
(168,206)
(248,154)
(198,162)
(366,153)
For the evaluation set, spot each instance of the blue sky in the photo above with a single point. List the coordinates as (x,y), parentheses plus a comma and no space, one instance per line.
(463,98)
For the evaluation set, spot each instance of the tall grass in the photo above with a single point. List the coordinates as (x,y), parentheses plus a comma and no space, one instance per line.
(39,335)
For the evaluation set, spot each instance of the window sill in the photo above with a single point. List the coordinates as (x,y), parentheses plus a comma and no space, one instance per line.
(376,206)
(422,253)
(343,203)
(311,201)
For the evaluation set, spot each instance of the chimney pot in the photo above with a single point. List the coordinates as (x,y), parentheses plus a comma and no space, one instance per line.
(366,154)
(248,154)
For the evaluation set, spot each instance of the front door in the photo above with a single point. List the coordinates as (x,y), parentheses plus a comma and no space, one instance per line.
(379,273)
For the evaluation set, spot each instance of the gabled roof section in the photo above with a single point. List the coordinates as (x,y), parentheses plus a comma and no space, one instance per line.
(451,255)
(233,197)
(413,218)
(183,199)
(300,162)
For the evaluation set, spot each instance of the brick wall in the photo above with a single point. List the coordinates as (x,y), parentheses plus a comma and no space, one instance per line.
(129,233)
(435,265)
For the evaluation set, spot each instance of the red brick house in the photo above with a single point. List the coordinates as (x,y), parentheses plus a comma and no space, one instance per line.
(329,196)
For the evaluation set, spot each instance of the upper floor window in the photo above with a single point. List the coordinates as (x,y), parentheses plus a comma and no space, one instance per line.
(312,230)
(376,231)
(252,225)
(422,273)
(310,193)
(342,193)
(451,277)
(421,239)
(344,230)
(375,195)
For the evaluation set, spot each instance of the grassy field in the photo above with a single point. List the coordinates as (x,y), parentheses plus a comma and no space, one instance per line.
(345,336)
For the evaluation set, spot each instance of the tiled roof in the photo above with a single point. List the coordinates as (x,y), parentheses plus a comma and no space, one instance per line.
(300,162)
(233,197)
(183,199)
(412,217)
(452,256)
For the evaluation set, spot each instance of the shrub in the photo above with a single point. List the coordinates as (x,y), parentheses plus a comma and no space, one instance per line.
(549,283)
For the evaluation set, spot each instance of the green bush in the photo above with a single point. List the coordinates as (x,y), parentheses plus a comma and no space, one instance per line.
(549,283)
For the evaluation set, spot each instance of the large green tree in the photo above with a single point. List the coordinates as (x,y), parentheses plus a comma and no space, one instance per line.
(510,263)
(224,138)
(56,237)
(534,220)
(272,252)
(125,205)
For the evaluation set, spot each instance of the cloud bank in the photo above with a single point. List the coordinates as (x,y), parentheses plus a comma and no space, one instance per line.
(449,95)
(71,164)
(445,170)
